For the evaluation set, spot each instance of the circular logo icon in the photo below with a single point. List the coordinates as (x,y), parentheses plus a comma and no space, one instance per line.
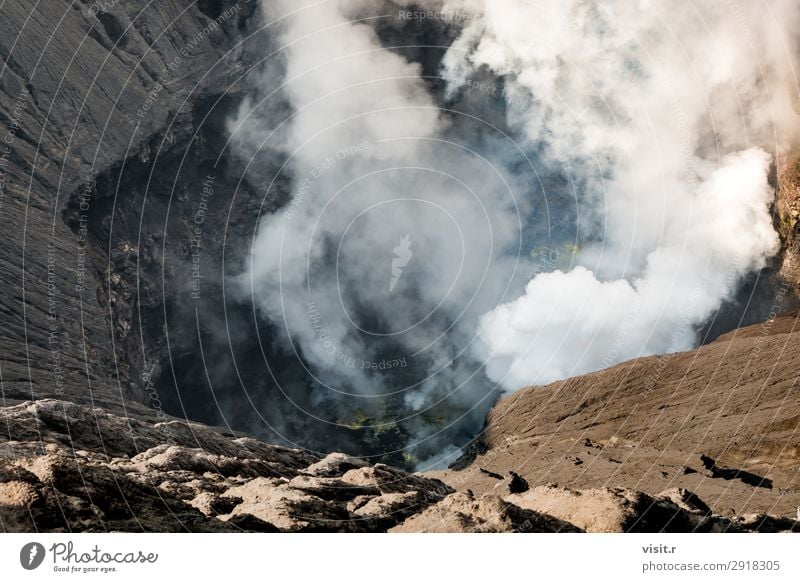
(31,555)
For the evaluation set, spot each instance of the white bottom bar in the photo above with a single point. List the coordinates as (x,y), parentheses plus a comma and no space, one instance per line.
(423,557)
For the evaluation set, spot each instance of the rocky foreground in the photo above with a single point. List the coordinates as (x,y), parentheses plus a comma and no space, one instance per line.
(72,468)
(702,441)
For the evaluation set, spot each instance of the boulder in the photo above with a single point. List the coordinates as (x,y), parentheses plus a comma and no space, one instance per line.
(462,513)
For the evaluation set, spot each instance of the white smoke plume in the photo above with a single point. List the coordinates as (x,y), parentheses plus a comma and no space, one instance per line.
(570,323)
(396,239)
(664,109)
(660,124)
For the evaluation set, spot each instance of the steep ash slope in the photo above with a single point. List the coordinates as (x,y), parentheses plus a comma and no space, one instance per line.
(85,89)
(721,421)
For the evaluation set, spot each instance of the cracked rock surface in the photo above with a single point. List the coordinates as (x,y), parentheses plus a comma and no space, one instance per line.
(67,467)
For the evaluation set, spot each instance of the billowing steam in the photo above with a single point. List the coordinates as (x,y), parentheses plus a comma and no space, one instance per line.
(396,239)
(587,185)
(570,323)
(648,107)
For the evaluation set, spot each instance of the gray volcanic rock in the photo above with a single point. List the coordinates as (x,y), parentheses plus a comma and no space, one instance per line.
(94,429)
(622,510)
(66,467)
(63,490)
(335,465)
(463,513)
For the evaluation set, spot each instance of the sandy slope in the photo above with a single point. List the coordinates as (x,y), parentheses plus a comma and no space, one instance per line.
(721,421)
